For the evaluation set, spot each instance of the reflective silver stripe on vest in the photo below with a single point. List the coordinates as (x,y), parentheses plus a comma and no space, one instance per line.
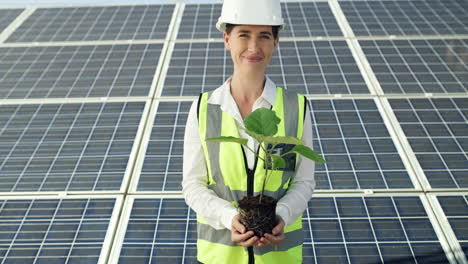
(213,129)
(208,233)
(292,239)
(223,236)
(290,108)
(290,113)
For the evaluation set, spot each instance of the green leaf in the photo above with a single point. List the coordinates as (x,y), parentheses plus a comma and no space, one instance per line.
(257,137)
(242,141)
(308,153)
(262,121)
(283,140)
(278,162)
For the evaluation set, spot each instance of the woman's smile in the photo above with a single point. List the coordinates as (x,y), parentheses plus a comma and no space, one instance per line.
(253,59)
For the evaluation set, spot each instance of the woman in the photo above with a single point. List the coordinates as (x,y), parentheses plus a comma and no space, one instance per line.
(217,175)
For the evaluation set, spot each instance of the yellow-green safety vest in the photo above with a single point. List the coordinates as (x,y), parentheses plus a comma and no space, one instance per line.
(230,178)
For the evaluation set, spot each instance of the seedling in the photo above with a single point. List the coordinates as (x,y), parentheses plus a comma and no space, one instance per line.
(262,125)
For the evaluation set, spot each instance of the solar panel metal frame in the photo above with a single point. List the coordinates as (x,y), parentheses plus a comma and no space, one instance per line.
(113,223)
(131,158)
(403,140)
(7,31)
(444,223)
(133,187)
(122,227)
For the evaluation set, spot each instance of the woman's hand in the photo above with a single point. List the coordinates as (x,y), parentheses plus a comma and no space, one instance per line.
(239,236)
(276,237)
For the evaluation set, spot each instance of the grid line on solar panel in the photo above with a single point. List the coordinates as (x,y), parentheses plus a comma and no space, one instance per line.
(419,66)
(303,19)
(428,17)
(336,229)
(455,209)
(78,71)
(7,16)
(350,133)
(66,147)
(160,165)
(54,230)
(360,152)
(307,67)
(436,130)
(95,23)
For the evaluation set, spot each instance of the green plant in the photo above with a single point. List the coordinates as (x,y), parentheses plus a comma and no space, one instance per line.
(262,125)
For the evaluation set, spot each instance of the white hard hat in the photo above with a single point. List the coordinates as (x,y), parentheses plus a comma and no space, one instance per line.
(250,12)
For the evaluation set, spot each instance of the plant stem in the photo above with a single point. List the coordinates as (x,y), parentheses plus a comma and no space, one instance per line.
(254,152)
(265,161)
(268,172)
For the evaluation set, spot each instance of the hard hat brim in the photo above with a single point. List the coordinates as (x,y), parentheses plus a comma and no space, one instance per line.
(221,25)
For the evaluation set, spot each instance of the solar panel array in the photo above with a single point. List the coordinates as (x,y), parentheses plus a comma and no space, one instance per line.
(94,101)
(78,71)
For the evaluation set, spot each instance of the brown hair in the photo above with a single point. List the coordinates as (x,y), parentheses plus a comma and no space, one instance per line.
(274,29)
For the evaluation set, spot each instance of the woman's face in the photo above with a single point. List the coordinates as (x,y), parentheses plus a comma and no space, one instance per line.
(251,47)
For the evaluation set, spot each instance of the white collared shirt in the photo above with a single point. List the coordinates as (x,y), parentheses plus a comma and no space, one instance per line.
(218,212)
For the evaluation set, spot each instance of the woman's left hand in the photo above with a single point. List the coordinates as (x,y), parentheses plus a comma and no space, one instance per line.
(276,237)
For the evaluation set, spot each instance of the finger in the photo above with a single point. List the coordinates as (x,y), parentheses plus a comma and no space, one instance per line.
(265,241)
(278,229)
(273,240)
(259,244)
(268,239)
(237,237)
(237,225)
(250,242)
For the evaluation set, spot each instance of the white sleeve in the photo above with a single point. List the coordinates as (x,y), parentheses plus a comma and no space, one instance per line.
(294,202)
(215,211)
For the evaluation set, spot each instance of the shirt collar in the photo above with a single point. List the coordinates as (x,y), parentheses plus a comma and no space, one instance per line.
(222,95)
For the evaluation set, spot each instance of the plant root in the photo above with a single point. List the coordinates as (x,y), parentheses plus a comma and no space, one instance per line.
(258,216)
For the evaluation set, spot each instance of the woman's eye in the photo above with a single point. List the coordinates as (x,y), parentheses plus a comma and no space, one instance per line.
(243,35)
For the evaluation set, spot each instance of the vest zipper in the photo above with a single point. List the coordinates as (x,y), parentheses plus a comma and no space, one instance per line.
(250,173)
(251,255)
(250,192)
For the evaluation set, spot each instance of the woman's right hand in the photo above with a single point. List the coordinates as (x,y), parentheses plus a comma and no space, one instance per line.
(239,234)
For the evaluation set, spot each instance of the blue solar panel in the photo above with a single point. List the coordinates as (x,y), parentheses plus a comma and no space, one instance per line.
(95,23)
(7,16)
(303,19)
(355,142)
(162,168)
(419,66)
(77,71)
(456,210)
(53,230)
(428,17)
(337,230)
(66,147)
(160,231)
(307,67)
(437,131)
